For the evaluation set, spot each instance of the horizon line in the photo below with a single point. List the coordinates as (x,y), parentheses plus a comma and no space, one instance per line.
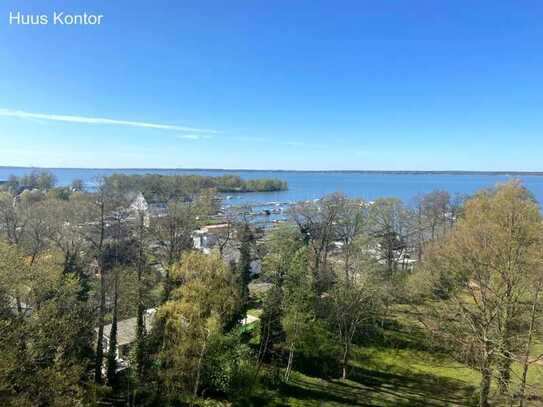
(502,172)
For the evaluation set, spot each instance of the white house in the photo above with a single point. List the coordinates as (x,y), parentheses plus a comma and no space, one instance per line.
(138,204)
(207,237)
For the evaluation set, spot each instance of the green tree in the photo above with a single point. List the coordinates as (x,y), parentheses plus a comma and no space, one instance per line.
(389,225)
(141,240)
(97,208)
(203,300)
(298,302)
(281,246)
(243,269)
(77,185)
(173,235)
(353,303)
(43,322)
(490,262)
(228,366)
(111,366)
(12,218)
(317,224)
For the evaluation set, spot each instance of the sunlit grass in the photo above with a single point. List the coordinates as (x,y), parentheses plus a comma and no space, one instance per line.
(401,372)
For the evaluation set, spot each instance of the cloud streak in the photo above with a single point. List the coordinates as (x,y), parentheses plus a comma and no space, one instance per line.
(194,136)
(107,122)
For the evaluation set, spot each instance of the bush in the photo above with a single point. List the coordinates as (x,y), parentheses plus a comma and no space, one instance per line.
(228,367)
(318,352)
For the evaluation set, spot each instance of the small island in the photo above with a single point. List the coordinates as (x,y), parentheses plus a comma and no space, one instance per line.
(152,186)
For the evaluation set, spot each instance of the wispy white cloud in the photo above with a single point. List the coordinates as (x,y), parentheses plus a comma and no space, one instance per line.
(179,132)
(105,121)
(194,136)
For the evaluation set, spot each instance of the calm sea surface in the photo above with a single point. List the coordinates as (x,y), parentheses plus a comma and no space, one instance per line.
(312,185)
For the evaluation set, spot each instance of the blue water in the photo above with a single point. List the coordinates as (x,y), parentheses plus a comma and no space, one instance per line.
(313,185)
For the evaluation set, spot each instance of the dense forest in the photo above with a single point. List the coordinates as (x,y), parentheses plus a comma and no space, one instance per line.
(353,302)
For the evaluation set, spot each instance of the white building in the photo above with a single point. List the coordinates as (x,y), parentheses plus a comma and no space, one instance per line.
(206,238)
(139,204)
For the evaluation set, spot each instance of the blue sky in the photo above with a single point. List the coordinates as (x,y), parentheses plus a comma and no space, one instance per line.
(417,85)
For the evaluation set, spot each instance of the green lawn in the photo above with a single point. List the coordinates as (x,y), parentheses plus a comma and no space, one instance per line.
(402,373)
(382,378)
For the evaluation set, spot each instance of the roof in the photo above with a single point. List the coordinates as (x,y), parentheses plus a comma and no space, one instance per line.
(216,227)
(127,328)
(212,229)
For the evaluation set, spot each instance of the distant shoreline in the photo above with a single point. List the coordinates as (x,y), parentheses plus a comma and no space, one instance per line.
(386,172)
